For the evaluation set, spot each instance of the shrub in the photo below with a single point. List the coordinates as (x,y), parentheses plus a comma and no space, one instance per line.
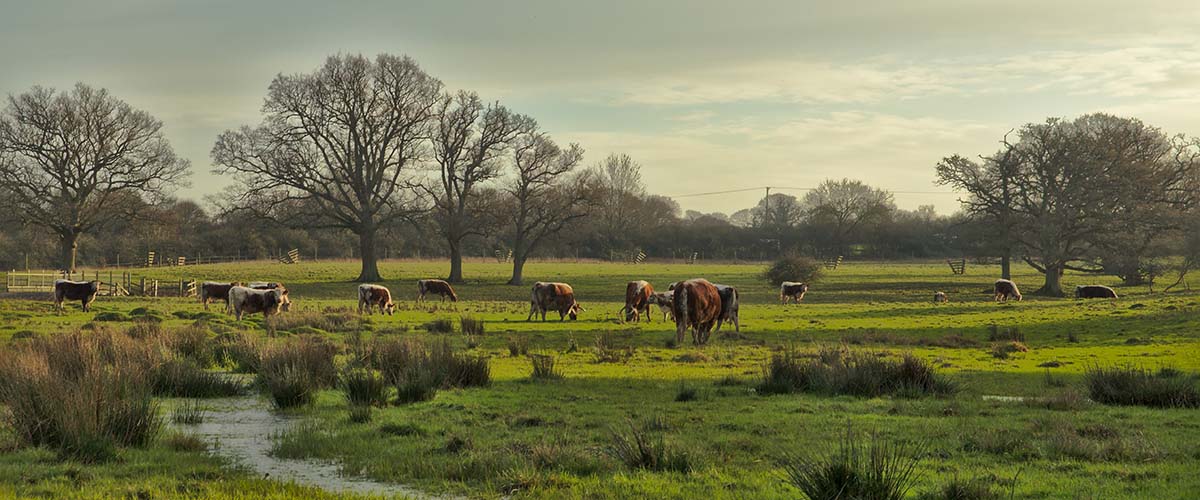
(82,395)
(607,350)
(640,449)
(471,326)
(873,469)
(288,385)
(364,387)
(1141,387)
(190,412)
(183,378)
(440,325)
(859,374)
(518,346)
(793,267)
(543,367)
(292,372)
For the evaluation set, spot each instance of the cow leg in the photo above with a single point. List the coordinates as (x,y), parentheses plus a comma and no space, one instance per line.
(205,302)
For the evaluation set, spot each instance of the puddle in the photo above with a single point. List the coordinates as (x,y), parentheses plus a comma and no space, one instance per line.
(1005,399)
(242,428)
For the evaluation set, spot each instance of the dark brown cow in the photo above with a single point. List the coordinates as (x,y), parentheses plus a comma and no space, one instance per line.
(696,305)
(248,300)
(1094,292)
(553,297)
(1005,289)
(792,290)
(264,285)
(439,287)
(664,300)
(729,306)
(370,296)
(637,301)
(211,290)
(83,291)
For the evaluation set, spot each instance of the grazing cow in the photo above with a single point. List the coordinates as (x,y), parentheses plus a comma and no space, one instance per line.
(439,287)
(211,290)
(637,300)
(1005,289)
(553,297)
(264,285)
(83,291)
(249,300)
(370,296)
(729,306)
(1094,292)
(697,306)
(940,298)
(664,300)
(792,290)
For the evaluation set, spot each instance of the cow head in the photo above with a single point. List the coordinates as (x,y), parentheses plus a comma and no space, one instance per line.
(390,307)
(573,313)
(285,304)
(453,296)
(93,286)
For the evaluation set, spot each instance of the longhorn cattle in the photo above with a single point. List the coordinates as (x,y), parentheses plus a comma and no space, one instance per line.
(940,298)
(439,287)
(371,296)
(553,297)
(1094,292)
(638,296)
(697,306)
(211,290)
(1005,289)
(792,290)
(248,300)
(83,291)
(729,306)
(264,285)
(663,300)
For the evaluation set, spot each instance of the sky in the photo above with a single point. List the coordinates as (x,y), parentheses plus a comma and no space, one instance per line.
(706,95)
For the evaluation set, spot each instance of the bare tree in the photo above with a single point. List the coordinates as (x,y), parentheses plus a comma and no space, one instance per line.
(468,142)
(845,206)
(546,197)
(69,161)
(992,188)
(337,148)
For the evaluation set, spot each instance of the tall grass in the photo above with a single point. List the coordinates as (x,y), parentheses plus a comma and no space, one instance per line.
(639,448)
(1127,385)
(471,326)
(543,367)
(418,370)
(855,373)
(183,378)
(239,352)
(82,395)
(292,372)
(874,469)
(364,387)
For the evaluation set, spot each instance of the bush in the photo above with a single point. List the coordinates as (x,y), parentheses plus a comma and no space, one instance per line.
(292,372)
(183,378)
(364,387)
(793,267)
(639,449)
(859,374)
(441,325)
(543,367)
(875,469)
(1168,388)
(82,395)
(471,326)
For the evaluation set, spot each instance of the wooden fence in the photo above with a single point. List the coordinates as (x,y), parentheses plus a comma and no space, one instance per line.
(111,283)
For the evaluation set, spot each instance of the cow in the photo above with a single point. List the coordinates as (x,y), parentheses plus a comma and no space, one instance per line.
(792,290)
(370,296)
(637,301)
(940,298)
(729,306)
(553,297)
(1005,289)
(696,306)
(664,300)
(83,291)
(439,287)
(211,290)
(249,300)
(264,285)
(1094,292)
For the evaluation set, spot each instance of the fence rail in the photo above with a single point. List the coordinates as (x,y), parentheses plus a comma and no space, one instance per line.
(111,283)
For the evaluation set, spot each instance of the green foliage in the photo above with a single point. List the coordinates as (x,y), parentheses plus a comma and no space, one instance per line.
(873,468)
(793,267)
(543,367)
(293,371)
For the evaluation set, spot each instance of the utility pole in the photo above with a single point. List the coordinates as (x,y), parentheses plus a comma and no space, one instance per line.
(767,206)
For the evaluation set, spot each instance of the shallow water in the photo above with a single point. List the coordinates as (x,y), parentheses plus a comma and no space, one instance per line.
(241,429)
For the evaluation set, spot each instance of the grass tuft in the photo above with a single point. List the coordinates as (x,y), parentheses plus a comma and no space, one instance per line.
(471,326)
(640,448)
(859,374)
(1127,385)
(873,469)
(543,367)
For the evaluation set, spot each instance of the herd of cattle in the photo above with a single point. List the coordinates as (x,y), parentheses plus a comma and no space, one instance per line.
(696,304)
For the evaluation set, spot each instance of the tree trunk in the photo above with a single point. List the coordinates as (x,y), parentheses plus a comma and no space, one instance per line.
(370,264)
(1053,284)
(70,248)
(456,275)
(1006,267)
(518,269)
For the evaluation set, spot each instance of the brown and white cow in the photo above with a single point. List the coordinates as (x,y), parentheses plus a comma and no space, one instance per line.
(211,291)
(248,300)
(792,290)
(553,297)
(83,291)
(439,287)
(729,306)
(940,298)
(1094,292)
(264,285)
(371,296)
(664,301)
(697,306)
(637,301)
(1005,289)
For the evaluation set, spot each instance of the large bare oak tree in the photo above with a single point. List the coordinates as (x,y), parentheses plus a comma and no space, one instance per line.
(338,147)
(71,161)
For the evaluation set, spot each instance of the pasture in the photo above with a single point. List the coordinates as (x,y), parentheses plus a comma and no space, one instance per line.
(1020,421)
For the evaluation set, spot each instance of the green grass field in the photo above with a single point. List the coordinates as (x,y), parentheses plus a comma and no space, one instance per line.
(549,438)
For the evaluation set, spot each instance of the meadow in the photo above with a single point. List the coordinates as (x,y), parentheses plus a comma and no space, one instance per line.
(1019,423)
